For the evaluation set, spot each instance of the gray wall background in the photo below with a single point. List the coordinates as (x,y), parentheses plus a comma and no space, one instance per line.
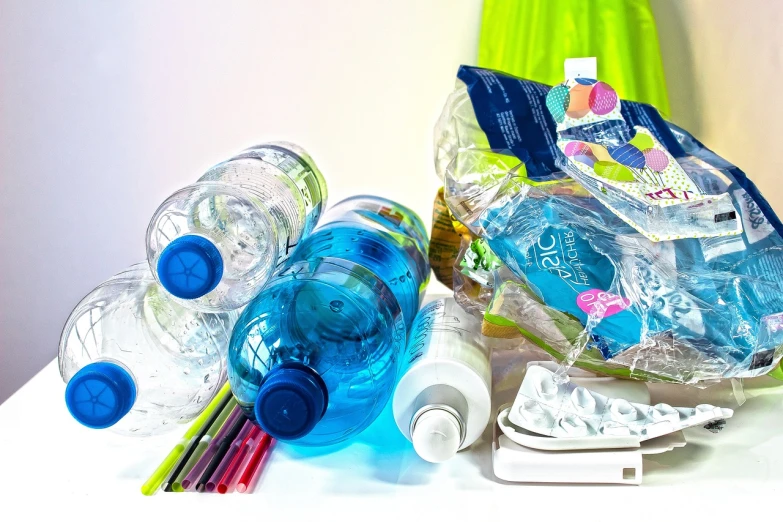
(108,107)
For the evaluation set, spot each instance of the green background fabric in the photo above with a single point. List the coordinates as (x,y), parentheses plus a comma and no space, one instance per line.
(532,38)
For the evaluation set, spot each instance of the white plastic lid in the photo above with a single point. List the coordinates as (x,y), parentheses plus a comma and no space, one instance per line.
(436,435)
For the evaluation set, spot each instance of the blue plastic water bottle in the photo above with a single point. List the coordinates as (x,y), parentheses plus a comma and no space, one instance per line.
(314,358)
(383,236)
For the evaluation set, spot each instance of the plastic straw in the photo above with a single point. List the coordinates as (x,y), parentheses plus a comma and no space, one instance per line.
(196,429)
(254,465)
(221,448)
(233,468)
(191,468)
(158,476)
(233,448)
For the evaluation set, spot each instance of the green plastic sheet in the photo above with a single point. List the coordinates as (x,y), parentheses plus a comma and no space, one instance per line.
(532,38)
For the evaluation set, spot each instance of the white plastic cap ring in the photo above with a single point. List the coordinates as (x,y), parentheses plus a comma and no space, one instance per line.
(436,435)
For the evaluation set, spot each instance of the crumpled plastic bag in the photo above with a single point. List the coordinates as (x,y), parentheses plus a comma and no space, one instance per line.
(686,310)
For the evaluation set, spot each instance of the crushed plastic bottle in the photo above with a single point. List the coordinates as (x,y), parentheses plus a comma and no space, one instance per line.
(136,361)
(214,244)
(314,358)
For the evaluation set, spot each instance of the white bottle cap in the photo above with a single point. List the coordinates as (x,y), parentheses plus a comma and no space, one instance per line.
(436,435)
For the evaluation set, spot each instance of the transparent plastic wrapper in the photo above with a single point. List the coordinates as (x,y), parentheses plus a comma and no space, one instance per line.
(474,277)
(581,280)
(629,171)
(445,241)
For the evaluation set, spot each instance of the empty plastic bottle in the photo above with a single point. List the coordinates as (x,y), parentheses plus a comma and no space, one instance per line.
(385,237)
(138,362)
(442,402)
(215,243)
(314,358)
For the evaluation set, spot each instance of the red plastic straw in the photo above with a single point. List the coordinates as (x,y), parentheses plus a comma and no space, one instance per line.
(233,467)
(254,465)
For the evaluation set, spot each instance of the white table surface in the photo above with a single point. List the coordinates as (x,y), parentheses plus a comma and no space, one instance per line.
(54,467)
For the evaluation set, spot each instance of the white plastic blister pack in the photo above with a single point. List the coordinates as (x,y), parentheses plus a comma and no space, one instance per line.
(567,410)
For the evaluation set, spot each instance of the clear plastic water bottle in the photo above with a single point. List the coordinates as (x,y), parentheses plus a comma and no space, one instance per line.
(214,244)
(314,358)
(138,362)
(385,237)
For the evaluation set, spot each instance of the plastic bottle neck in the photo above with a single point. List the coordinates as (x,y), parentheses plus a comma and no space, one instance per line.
(100,394)
(292,399)
(438,426)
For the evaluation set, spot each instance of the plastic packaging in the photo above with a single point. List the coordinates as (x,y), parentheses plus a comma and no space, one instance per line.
(314,358)
(570,411)
(519,455)
(215,243)
(442,401)
(474,276)
(629,171)
(137,362)
(591,287)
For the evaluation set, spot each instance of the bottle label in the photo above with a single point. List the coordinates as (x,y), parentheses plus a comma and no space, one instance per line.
(305,180)
(421,331)
(602,304)
(443,330)
(757,227)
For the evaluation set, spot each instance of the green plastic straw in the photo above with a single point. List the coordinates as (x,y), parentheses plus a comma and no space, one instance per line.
(176,484)
(159,475)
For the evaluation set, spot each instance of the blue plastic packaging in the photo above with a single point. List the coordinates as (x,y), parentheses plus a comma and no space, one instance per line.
(688,310)
(314,358)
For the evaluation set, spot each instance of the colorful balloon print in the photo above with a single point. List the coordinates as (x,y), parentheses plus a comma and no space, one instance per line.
(557,101)
(585,81)
(656,159)
(574,148)
(578,106)
(613,171)
(642,141)
(603,99)
(628,155)
(587,160)
(600,152)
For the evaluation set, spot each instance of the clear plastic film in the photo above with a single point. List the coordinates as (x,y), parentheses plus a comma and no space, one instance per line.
(629,171)
(583,282)
(474,275)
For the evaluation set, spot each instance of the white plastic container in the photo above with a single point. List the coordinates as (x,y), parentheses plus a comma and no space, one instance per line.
(442,401)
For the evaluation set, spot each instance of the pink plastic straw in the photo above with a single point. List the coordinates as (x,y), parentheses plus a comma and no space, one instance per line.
(192,478)
(255,464)
(228,457)
(226,481)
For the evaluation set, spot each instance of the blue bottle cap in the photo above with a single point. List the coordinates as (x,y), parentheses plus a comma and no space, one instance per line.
(291,401)
(190,266)
(100,394)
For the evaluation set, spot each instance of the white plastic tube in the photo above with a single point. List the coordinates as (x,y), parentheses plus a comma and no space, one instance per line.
(442,401)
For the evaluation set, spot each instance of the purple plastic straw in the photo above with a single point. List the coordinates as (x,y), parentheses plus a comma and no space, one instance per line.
(221,469)
(192,478)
